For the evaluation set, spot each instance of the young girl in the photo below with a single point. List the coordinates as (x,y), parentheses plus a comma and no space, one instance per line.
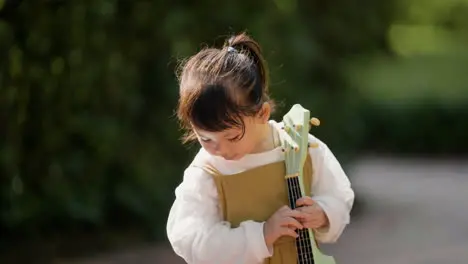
(231,205)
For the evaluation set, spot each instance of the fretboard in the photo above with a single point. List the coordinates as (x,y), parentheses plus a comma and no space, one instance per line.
(303,243)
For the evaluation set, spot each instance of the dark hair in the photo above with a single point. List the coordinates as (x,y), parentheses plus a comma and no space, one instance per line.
(220,86)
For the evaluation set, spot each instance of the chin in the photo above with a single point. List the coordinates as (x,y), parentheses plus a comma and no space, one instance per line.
(233,157)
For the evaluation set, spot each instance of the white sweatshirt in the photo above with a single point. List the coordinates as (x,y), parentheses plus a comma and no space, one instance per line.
(195,228)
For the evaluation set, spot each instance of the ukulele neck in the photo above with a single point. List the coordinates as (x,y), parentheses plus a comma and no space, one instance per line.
(303,244)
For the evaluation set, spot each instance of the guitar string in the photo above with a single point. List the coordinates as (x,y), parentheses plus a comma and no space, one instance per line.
(291,195)
(304,240)
(305,250)
(304,235)
(292,200)
(299,240)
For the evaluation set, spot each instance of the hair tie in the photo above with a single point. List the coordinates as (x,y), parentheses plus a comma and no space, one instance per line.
(231,49)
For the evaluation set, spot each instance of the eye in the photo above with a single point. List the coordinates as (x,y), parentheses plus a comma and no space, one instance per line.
(236,138)
(205,139)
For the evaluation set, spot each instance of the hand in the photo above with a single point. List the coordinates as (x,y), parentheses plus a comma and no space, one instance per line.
(315,217)
(282,223)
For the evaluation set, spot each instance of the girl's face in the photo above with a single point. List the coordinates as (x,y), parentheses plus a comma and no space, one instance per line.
(227,144)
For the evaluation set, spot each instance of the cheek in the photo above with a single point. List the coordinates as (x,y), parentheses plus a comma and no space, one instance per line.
(242,146)
(208,146)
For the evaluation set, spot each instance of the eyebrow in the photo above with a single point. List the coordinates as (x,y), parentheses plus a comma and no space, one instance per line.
(203,135)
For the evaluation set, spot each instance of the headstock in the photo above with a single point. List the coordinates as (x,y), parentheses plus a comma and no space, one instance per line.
(295,137)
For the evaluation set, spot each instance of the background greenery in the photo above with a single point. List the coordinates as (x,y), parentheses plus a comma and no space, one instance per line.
(89,145)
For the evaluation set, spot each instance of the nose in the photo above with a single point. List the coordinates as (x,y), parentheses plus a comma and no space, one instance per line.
(219,149)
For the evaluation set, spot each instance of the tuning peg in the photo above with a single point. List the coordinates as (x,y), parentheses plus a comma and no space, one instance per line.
(315,121)
(298,127)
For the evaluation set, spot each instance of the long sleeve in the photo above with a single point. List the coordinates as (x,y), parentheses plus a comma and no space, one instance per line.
(198,235)
(331,189)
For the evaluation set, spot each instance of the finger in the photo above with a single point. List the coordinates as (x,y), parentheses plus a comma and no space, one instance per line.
(288,232)
(314,222)
(310,225)
(296,214)
(305,200)
(289,221)
(305,209)
(309,209)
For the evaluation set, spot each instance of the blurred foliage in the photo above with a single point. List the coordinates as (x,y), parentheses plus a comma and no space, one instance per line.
(88,135)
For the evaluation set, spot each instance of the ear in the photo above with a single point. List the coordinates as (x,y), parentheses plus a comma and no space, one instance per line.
(265,113)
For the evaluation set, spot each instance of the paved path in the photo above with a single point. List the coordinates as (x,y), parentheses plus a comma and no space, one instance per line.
(416,212)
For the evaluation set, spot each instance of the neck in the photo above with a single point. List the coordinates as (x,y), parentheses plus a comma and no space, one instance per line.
(266,138)
(303,242)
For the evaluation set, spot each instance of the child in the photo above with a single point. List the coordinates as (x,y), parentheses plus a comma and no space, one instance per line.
(231,205)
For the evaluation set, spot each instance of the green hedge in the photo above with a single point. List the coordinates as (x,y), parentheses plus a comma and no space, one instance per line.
(89,140)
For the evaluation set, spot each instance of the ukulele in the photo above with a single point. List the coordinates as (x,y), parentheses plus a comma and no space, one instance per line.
(295,143)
